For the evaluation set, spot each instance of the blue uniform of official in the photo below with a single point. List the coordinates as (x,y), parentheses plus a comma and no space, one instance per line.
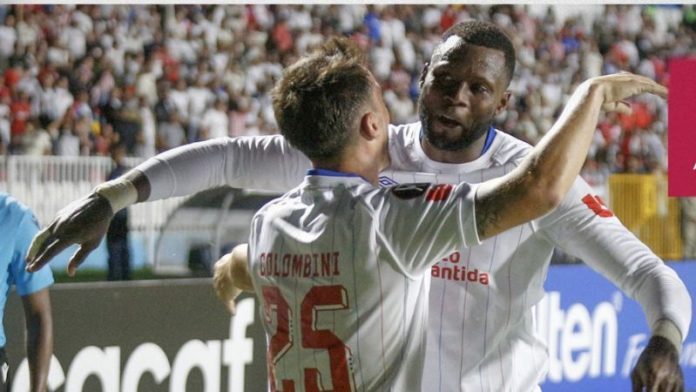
(17,228)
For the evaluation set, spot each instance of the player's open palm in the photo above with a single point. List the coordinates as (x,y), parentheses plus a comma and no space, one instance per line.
(83,222)
(620,86)
(657,369)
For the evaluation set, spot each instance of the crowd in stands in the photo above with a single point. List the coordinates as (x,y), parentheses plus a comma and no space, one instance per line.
(77,79)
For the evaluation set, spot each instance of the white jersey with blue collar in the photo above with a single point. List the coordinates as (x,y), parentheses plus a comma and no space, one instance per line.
(481,333)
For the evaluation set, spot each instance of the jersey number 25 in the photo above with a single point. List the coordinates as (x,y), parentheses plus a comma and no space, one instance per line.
(319,298)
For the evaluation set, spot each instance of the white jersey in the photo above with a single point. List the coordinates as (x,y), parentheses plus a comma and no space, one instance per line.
(342,271)
(481,333)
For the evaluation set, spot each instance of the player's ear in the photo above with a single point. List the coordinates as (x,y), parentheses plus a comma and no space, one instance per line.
(369,125)
(502,104)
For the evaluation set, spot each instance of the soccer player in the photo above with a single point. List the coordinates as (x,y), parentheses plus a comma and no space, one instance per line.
(464,86)
(17,227)
(341,265)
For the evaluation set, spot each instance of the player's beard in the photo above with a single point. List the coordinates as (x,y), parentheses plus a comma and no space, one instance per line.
(442,142)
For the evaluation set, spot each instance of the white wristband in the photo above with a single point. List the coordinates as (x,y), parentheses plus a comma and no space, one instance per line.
(668,330)
(120,193)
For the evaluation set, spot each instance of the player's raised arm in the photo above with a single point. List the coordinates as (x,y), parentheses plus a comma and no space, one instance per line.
(264,162)
(541,181)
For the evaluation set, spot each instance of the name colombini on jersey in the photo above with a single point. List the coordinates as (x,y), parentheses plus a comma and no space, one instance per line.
(304,265)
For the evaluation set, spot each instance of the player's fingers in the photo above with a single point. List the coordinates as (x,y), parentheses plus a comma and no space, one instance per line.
(657,385)
(650,86)
(37,244)
(660,90)
(52,248)
(223,294)
(637,382)
(650,382)
(617,106)
(79,256)
(666,386)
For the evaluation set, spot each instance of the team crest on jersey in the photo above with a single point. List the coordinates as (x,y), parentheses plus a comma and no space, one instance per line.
(385,181)
(410,191)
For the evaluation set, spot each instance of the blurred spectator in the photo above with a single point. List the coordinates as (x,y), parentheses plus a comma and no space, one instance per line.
(146,141)
(146,83)
(8,37)
(36,140)
(215,121)
(20,111)
(127,122)
(68,143)
(4,122)
(169,132)
(241,117)
(117,234)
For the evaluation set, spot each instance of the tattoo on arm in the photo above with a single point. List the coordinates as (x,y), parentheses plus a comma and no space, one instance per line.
(492,208)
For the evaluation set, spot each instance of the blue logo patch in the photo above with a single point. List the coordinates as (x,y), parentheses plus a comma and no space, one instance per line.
(386,181)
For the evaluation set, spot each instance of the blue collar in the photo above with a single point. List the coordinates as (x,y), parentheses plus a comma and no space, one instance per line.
(329,173)
(490,136)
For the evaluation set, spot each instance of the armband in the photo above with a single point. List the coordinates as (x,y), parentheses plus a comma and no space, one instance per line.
(668,330)
(120,193)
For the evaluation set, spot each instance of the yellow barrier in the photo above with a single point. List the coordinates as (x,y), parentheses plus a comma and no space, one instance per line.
(641,202)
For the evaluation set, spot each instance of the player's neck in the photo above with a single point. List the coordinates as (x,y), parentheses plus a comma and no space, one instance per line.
(464,155)
(370,175)
(355,164)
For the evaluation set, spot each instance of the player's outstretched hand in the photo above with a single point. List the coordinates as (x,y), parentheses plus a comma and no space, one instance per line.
(658,368)
(224,287)
(83,222)
(619,86)
(231,276)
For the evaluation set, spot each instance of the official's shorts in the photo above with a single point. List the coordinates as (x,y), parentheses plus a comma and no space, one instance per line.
(4,372)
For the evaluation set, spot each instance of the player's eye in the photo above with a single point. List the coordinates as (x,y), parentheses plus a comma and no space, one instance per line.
(443,81)
(479,88)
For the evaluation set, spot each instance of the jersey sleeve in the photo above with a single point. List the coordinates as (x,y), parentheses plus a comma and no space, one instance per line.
(27,282)
(585,228)
(252,162)
(420,223)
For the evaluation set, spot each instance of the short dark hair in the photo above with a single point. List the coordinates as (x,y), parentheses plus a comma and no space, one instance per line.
(487,35)
(317,101)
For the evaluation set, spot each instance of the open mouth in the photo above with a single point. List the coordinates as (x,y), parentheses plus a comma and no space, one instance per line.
(448,122)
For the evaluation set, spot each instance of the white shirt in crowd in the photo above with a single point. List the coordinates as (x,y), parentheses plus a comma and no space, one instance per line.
(217,122)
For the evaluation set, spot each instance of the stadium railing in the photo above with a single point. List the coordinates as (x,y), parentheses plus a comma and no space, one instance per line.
(641,202)
(48,183)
